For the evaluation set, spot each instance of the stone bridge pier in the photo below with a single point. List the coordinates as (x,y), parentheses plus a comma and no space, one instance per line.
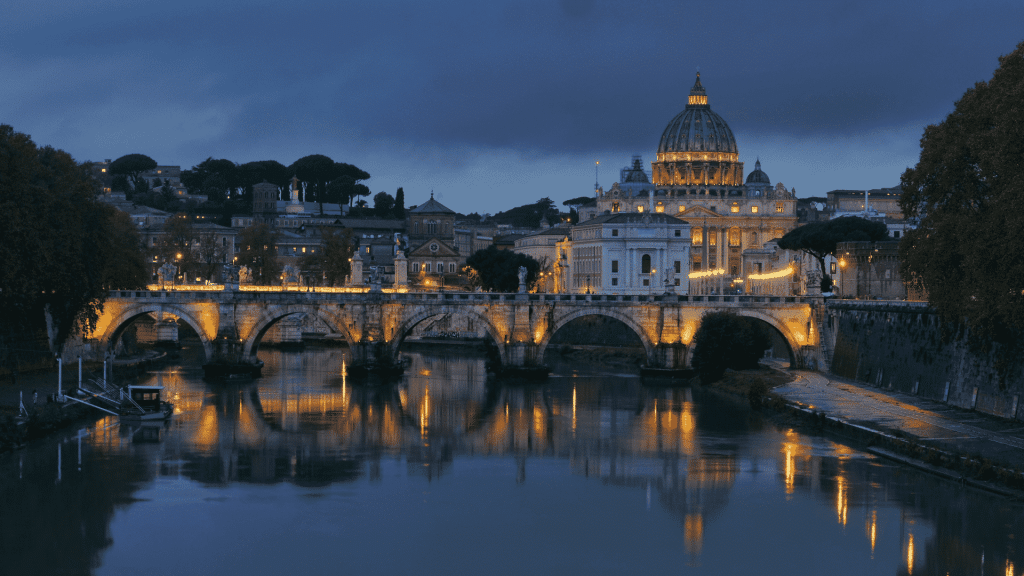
(231,323)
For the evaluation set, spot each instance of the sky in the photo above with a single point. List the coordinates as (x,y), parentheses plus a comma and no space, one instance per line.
(491,105)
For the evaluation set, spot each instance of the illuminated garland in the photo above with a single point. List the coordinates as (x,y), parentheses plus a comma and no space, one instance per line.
(787,271)
(707,273)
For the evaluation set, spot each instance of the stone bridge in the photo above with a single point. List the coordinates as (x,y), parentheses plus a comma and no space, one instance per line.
(231,323)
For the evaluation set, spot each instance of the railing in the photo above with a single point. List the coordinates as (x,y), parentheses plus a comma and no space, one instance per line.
(464,297)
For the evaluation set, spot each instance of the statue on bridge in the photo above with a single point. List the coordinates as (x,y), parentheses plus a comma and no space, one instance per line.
(166,273)
(244,275)
(522,279)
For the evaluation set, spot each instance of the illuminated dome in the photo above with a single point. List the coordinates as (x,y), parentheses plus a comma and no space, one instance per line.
(758,176)
(697,151)
(697,128)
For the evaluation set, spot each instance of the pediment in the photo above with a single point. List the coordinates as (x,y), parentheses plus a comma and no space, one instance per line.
(698,212)
(427,250)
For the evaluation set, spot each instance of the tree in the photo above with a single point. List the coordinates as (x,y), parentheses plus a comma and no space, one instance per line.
(968,249)
(126,266)
(725,340)
(252,173)
(399,210)
(214,178)
(316,170)
(574,204)
(819,239)
(383,204)
(131,165)
(498,270)
(330,263)
(57,257)
(529,215)
(176,245)
(258,252)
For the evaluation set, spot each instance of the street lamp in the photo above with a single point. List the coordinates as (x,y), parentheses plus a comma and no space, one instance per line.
(842,266)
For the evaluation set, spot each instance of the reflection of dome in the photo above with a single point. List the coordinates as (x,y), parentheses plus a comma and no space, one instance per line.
(758,176)
(697,128)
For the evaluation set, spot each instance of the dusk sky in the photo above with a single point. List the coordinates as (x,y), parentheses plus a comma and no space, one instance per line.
(496,104)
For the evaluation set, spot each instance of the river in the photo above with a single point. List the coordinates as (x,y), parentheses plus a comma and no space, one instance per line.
(590,472)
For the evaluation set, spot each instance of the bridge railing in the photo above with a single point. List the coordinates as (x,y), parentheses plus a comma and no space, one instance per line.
(453,297)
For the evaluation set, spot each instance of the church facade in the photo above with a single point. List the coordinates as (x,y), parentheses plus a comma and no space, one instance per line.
(697,178)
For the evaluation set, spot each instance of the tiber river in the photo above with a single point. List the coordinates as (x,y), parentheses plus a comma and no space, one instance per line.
(302,472)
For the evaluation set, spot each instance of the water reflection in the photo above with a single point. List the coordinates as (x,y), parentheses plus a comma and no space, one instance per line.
(730,492)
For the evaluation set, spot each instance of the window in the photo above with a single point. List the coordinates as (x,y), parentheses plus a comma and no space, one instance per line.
(734,237)
(615,266)
(415,267)
(659,208)
(451,267)
(647,281)
(645,264)
(678,266)
(615,206)
(832,268)
(753,209)
(677,281)
(440,267)
(712,238)
(753,238)
(615,281)
(895,233)
(640,208)
(615,231)
(432,227)
(734,208)
(696,263)
(679,233)
(682,208)
(697,236)
(416,227)
(780,207)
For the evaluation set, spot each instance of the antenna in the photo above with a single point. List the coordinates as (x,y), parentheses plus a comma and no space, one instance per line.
(597,179)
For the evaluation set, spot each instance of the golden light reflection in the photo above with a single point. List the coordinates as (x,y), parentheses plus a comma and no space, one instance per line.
(910,553)
(538,421)
(574,410)
(842,498)
(425,413)
(693,532)
(1009,567)
(206,433)
(872,531)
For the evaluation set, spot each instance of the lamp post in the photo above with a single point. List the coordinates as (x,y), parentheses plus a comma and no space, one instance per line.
(842,266)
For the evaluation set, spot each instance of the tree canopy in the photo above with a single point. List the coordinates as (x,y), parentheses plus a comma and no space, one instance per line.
(131,165)
(528,215)
(819,239)
(258,251)
(60,249)
(725,340)
(498,270)
(329,264)
(968,249)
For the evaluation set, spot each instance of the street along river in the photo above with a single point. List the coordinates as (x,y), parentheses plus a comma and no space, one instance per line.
(590,472)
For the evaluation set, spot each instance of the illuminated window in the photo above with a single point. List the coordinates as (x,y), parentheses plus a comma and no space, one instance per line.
(753,209)
(659,208)
(697,236)
(615,206)
(713,239)
(640,208)
(779,207)
(734,208)
(734,237)
(682,208)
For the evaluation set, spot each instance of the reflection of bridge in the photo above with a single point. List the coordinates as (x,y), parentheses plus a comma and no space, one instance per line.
(232,323)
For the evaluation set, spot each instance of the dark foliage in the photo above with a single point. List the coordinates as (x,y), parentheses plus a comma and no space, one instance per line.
(967,252)
(529,215)
(819,239)
(131,165)
(498,270)
(726,340)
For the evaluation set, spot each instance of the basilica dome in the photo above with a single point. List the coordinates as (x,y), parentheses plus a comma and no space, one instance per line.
(697,128)
(758,176)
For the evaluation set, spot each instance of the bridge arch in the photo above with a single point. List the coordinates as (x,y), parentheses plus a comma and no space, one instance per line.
(275,313)
(610,313)
(780,327)
(409,323)
(125,317)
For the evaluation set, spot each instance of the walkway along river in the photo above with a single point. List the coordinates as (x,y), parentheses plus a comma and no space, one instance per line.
(443,473)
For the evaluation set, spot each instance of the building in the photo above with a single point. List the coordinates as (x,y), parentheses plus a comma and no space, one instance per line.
(629,253)
(697,178)
(869,271)
(434,260)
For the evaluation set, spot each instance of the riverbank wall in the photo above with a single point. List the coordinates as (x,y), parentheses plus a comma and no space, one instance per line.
(906,347)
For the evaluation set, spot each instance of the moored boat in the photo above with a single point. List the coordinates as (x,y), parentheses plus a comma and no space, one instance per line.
(144,403)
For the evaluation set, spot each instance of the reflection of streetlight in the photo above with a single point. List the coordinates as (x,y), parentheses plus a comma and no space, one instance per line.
(842,266)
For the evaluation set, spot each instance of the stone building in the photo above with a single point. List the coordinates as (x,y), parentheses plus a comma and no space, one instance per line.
(629,254)
(433,258)
(697,178)
(869,271)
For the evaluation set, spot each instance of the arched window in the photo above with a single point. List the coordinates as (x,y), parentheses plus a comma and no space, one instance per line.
(416,227)
(432,227)
(440,267)
(446,228)
(415,267)
(645,264)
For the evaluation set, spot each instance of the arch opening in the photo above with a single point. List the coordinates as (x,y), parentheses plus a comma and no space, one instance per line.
(439,327)
(592,339)
(629,324)
(781,348)
(293,327)
(141,328)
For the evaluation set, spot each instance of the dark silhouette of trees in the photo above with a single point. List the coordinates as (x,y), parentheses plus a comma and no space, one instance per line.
(498,270)
(968,249)
(60,249)
(399,210)
(819,239)
(725,340)
(383,205)
(529,215)
(258,251)
(130,166)
(329,264)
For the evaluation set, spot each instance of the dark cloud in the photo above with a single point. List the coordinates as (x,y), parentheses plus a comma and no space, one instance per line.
(425,90)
